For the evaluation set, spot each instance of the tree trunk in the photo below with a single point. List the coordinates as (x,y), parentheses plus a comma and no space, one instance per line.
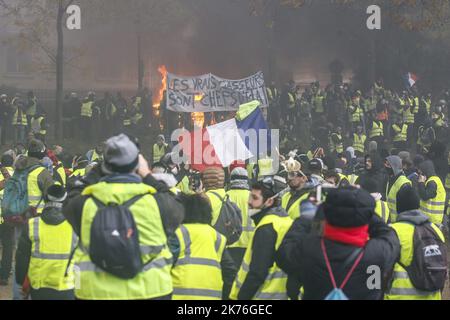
(140,62)
(372,59)
(59,72)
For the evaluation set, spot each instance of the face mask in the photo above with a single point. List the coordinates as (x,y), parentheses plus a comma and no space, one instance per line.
(174,171)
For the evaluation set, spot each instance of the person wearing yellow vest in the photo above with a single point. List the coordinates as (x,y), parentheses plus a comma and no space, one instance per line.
(336,141)
(124,171)
(400,134)
(371,185)
(39,179)
(202,268)
(259,277)
(359,141)
(160,148)
(345,230)
(396,183)
(213,180)
(43,253)
(19,121)
(86,112)
(31,107)
(238,192)
(96,154)
(426,137)
(426,103)
(6,230)
(79,165)
(376,132)
(432,193)
(39,126)
(409,217)
(292,200)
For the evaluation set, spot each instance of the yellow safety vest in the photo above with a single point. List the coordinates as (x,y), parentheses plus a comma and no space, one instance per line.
(86,109)
(359,142)
(318,104)
(19,120)
(294,210)
(158,152)
(31,111)
(427,104)
(216,203)
(357,115)
(447,178)
(184,186)
(401,134)
(61,173)
(35,195)
(392,195)
(274,286)
(240,198)
(377,129)
(127,122)
(78,173)
(95,156)
(265,167)
(197,274)
(155,279)
(382,210)
(440,120)
(339,146)
(342,177)
(402,288)
(434,208)
(291,103)
(352,178)
(36,126)
(51,246)
(408,116)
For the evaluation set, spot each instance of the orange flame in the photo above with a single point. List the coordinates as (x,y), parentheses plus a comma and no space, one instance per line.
(198,118)
(157,101)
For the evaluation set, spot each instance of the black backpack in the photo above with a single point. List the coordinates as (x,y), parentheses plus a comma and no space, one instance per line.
(229,222)
(114,244)
(428,269)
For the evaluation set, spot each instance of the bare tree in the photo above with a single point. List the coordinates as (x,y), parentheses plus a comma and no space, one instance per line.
(41,23)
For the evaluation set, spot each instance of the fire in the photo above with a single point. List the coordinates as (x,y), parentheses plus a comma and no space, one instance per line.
(198,118)
(157,100)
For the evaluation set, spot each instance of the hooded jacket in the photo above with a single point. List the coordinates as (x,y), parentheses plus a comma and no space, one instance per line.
(52,215)
(263,254)
(427,191)
(300,256)
(376,173)
(397,170)
(44,179)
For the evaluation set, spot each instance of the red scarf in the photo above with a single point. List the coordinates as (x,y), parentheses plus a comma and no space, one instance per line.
(357,236)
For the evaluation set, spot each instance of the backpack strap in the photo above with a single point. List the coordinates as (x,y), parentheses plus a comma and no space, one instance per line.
(218,196)
(359,252)
(126,204)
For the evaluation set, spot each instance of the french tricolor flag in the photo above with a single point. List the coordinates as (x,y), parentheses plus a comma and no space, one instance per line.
(227,143)
(411,79)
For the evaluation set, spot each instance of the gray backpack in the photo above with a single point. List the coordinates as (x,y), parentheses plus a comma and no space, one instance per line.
(229,222)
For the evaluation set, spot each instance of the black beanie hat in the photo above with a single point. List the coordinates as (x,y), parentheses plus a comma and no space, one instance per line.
(348,207)
(407,200)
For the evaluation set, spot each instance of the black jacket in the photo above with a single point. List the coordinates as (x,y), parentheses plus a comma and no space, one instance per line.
(263,254)
(300,256)
(377,174)
(428,191)
(50,215)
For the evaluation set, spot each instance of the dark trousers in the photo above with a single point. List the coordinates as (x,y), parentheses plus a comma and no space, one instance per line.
(7,239)
(237,254)
(51,294)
